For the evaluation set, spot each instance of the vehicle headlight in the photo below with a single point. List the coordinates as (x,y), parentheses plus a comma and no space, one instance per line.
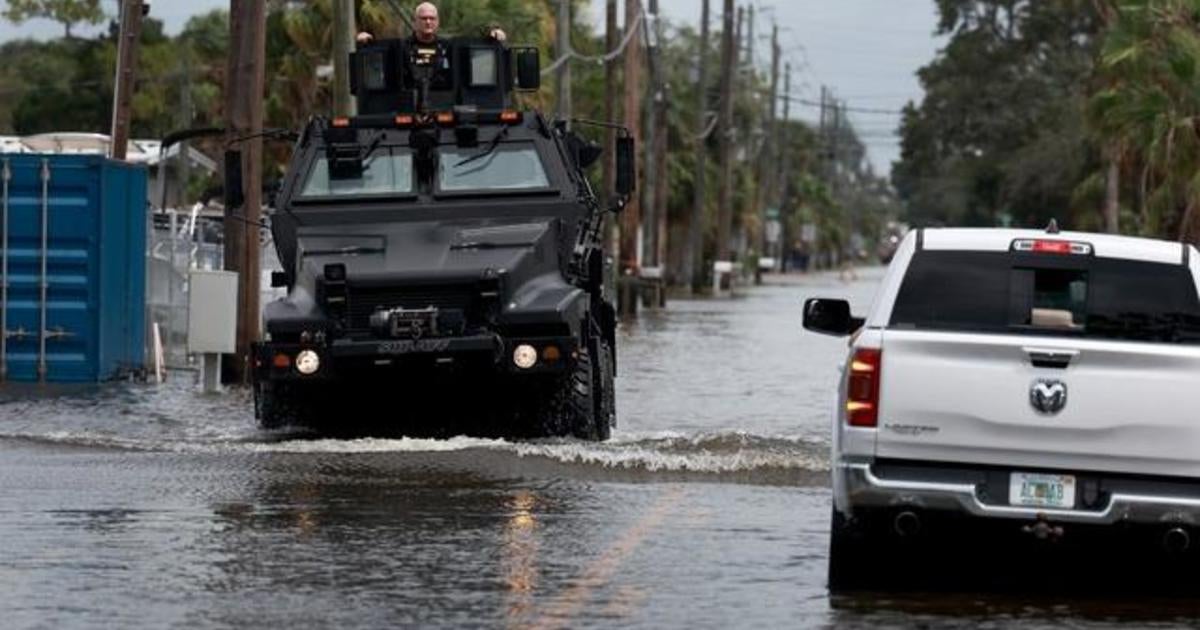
(525,356)
(308,362)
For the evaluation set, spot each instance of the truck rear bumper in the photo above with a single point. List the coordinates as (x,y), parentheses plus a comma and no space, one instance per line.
(864,485)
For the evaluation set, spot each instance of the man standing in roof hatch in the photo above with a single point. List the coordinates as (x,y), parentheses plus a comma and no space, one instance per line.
(426,24)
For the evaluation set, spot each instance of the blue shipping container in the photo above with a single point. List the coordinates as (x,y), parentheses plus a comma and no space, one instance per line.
(72,267)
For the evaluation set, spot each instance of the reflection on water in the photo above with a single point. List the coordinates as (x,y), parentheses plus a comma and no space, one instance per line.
(519,560)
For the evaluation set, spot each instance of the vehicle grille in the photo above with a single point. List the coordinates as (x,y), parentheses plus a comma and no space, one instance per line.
(363,301)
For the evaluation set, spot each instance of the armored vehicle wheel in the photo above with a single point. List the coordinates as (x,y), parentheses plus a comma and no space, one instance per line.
(606,408)
(575,406)
(278,405)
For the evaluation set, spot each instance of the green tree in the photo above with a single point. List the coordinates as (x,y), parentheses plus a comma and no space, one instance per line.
(998,137)
(1148,109)
(65,12)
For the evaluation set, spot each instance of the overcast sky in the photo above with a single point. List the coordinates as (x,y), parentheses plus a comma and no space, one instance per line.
(866,51)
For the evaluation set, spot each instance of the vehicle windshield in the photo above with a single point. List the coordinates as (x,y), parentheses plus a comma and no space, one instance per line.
(1097,298)
(387,170)
(509,167)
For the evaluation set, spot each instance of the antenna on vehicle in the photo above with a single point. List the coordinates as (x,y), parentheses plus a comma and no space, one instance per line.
(1052,228)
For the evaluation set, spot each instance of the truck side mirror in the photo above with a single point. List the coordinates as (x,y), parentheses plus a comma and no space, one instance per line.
(626,167)
(234,197)
(529,69)
(830,317)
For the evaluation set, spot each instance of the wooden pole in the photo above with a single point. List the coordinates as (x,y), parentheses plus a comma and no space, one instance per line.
(127,59)
(562,101)
(767,164)
(725,128)
(245,80)
(693,255)
(631,217)
(610,116)
(343,45)
(651,131)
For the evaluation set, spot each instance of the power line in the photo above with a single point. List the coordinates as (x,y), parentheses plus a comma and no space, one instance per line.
(853,110)
(571,55)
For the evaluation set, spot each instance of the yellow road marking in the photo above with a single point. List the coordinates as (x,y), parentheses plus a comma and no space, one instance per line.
(601,570)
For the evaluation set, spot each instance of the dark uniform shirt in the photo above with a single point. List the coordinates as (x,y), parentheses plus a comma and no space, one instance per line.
(431,59)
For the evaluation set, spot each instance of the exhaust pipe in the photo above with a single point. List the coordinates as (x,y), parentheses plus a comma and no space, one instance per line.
(1176,540)
(907,524)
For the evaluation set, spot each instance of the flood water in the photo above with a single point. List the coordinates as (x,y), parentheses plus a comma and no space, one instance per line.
(142,505)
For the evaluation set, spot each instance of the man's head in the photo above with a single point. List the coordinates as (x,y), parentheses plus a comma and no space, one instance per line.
(426,22)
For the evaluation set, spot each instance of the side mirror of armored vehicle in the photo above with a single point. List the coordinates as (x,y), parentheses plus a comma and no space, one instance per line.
(234,197)
(529,70)
(626,167)
(830,317)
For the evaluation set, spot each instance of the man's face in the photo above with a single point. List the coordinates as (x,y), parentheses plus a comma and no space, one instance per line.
(427,22)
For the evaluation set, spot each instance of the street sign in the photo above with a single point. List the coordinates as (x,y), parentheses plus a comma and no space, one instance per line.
(774,230)
(808,232)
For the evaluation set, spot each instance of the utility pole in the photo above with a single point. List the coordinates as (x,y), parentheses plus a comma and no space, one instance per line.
(127,60)
(631,217)
(825,142)
(725,128)
(245,77)
(693,252)
(785,166)
(750,40)
(767,163)
(343,45)
(653,130)
(186,114)
(610,116)
(661,184)
(562,102)
(740,42)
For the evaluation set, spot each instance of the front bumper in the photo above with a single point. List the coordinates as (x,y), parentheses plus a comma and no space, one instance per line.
(1128,500)
(343,356)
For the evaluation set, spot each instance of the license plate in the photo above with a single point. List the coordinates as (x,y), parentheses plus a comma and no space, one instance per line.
(1042,490)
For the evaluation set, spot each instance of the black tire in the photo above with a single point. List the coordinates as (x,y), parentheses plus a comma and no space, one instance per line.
(266,406)
(581,400)
(605,416)
(278,405)
(572,406)
(850,555)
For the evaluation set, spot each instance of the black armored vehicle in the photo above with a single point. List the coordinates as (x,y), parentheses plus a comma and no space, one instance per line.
(443,258)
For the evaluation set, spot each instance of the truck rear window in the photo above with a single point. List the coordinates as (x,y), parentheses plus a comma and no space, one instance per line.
(1045,294)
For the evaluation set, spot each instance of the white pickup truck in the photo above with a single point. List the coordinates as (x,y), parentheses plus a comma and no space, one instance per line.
(1032,380)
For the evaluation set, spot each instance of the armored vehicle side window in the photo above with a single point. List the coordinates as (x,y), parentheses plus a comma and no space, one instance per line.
(1100,298)
(384,171)
(514,166)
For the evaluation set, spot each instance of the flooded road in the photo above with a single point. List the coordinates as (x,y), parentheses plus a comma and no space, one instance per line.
(154,506)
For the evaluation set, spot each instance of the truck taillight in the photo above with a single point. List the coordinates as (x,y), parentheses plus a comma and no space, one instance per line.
(862,392)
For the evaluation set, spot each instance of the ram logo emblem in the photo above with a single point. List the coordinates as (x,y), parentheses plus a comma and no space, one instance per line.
(1048,396)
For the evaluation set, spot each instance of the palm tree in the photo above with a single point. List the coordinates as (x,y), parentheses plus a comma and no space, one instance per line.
(1148,111)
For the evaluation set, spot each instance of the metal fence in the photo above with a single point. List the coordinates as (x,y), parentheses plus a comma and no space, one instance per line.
(179,242)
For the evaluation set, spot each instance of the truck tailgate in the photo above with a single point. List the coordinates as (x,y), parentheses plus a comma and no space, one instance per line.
(966,397)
